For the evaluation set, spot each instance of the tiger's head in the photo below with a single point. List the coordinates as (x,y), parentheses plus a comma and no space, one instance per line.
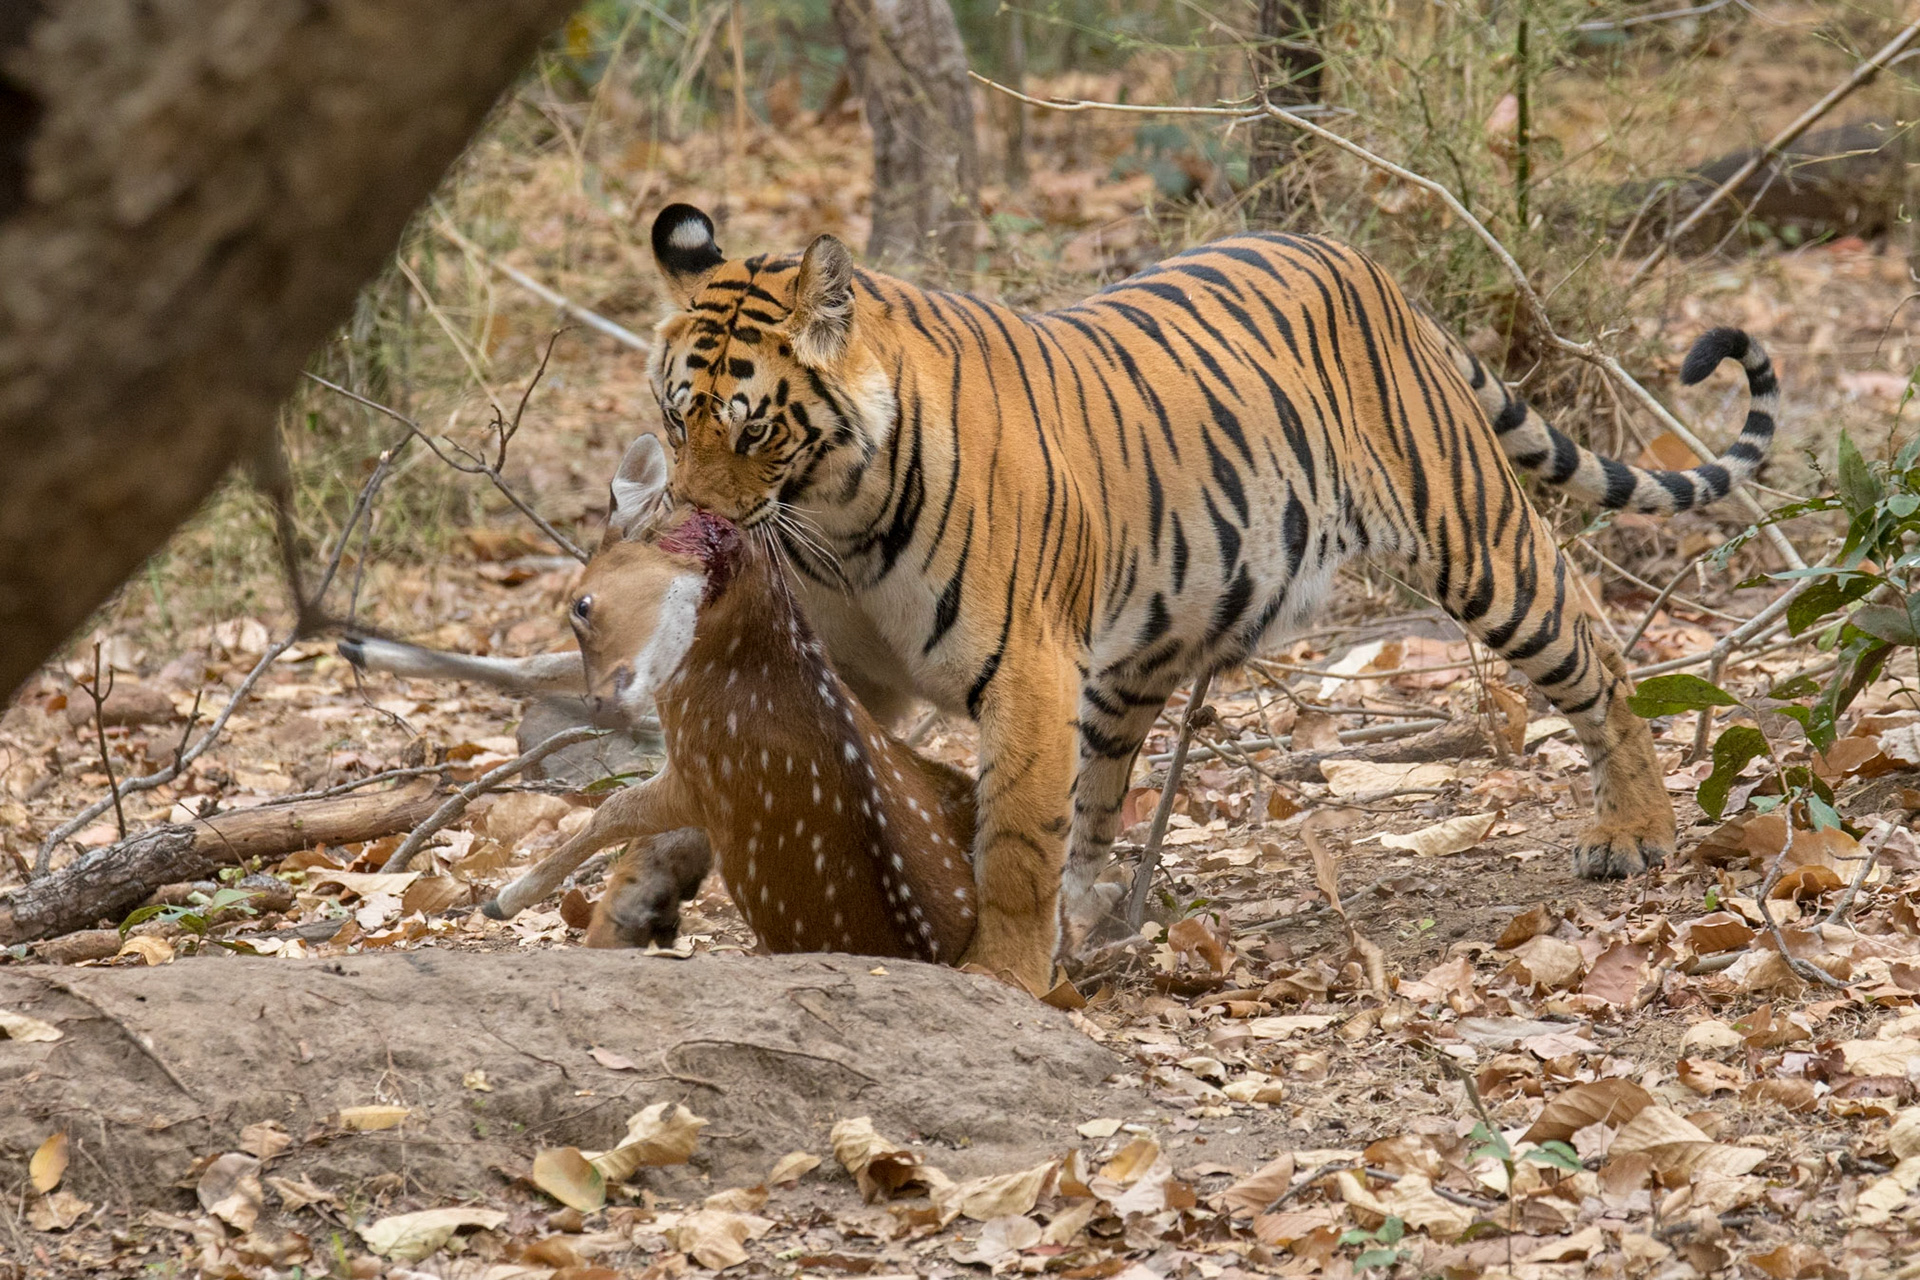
(771,391)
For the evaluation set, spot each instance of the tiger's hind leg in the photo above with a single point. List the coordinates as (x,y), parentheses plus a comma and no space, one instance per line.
(1541,631)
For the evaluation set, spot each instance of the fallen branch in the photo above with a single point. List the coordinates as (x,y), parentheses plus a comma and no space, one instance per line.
(1150,856)
(1863,73)
(1523,287)
(109,882)
(1369,733)
(456,804)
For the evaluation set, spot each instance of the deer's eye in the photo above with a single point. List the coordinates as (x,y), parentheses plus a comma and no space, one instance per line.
(583,610)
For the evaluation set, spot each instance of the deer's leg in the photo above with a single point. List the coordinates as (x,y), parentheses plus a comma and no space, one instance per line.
(1026,771)
(635,812)
(645,888)
(542,673)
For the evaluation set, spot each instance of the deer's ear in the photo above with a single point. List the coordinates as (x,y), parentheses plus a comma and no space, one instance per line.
(821,326)
(639,491)
(684,250)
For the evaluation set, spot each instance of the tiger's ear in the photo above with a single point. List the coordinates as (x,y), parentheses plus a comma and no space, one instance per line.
(639,492)
(684,250)
(821,326)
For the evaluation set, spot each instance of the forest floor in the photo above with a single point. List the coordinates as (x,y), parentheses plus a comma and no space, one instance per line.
(1295,1089)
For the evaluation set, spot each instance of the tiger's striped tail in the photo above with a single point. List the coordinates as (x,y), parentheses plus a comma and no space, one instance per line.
(1535,446)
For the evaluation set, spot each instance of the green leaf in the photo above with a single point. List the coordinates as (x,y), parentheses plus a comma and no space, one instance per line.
(140,915)
(1822,598)
(1670,695)
(1556,1155)
(1356,1235)
(1732,751)
(1825,817)
(1855,482)
(1391,1231)
(1376,1258)
(1886,622)
(1798,687)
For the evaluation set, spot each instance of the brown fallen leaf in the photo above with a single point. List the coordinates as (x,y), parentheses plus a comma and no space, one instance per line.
(716,1238)
(1706,1077)
(1790,1261)
(264,1140)
(1618,974)
(151,950)
(57,1212)
(610,1060)
(791,1167)
(569,1177)
(1455,835)
(1531,923)
(49,1163)
(409,1237)
(18,1026)
(1792,1094)
(881,1168)
(1315,731)
(229,1189)
(1613,1101)
(1195,936)
(1000,1240)
(738,1199)
(662,1134)
(1130,1162)
(995,1196)
(1546,963)
(1253,1193)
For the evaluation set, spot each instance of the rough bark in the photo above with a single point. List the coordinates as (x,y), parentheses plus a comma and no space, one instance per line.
(906,61)
(1289,69)
(190,195)
(107,883)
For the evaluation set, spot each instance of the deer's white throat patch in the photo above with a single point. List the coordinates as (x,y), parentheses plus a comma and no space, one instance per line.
(667,647)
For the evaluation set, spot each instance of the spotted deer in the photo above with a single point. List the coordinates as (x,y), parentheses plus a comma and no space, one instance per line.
(829,833)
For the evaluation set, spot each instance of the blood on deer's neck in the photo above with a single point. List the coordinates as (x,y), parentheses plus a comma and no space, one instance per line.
(830,834)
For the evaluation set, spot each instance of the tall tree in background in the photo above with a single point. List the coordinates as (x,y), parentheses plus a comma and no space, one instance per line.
(190,196)
(1288,60)
(907,62)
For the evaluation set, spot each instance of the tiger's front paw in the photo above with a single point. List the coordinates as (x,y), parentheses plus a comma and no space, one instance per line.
(1609,851)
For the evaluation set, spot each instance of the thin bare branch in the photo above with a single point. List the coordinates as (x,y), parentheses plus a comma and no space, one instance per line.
(473,465)
(1150,857)
(592,319)
(456,804)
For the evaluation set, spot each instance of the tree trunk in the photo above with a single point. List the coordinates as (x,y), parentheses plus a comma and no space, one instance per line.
(907,62)
(190,196)
(1289,68)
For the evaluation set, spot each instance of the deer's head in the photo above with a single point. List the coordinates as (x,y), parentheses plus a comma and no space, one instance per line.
(657,568)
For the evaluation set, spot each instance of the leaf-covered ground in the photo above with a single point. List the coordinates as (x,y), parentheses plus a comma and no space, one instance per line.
(1476,1066)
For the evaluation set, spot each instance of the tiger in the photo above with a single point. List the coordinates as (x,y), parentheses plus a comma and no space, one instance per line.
(1049,522)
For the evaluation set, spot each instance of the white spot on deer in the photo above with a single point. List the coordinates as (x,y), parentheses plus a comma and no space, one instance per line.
(819,842)
(838,920)
(763,895)
(733,724)
(753,871)
(819,860)
(726,766)
(960,894)
(732,677)
(733,647)
(832,888)
(799,826)
(816,793)
(813,767)
(846,939)
(765,759)
(766,798)
(899,864)
(789,764)
(753,845)
(837,805)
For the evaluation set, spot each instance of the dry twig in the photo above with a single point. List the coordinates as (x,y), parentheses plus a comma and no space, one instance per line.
(1150,856)
(456,804)
(1802,968)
